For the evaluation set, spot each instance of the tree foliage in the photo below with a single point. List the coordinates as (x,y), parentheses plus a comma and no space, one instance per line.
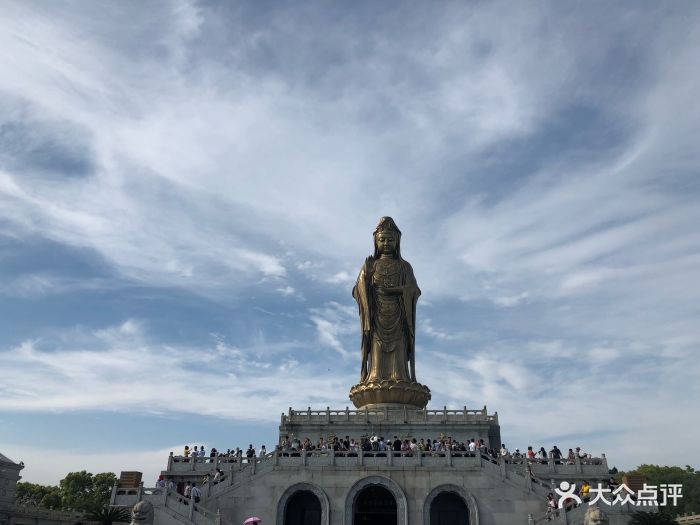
(688,477)
(81,491)
(108,515)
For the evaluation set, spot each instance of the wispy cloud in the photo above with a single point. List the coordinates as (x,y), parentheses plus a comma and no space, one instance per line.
(545,182)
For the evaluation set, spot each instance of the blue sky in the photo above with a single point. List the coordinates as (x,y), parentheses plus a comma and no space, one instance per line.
(188,190)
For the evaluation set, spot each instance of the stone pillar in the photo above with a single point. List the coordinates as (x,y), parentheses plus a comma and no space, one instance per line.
(139,492)
(303,457)
(113,497)
(170,462)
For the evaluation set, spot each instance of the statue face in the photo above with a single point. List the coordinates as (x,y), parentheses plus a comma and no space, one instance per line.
(387,242)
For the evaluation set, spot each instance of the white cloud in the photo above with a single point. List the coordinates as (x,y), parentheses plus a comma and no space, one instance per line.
(114,367)
(210,167)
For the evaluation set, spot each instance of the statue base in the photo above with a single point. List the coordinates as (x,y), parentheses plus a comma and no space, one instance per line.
(389,392)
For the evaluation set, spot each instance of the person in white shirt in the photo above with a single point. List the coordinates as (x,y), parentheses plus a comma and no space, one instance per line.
(504,450)
(263,451)
(201,451)
(472,446)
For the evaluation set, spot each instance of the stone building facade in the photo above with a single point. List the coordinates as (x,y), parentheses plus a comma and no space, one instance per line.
(331,488)
(9,476)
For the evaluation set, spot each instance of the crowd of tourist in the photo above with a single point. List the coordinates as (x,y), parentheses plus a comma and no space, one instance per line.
(379,446)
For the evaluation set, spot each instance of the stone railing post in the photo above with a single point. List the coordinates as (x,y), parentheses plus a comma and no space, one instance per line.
(419,457)
(361,456)
(347,414)
(165,494)
(139,492)
(193,464)
(216,461)
(550,465)
(239,461)
(577,462)
(448,455)
(113,497)
(170,461)
(530,520)
(217,519)
(308,413)
(190,510)
(332,456)
(254,464)
(502,465)
(275,458)
(328,414)
(390,456)
(303,457)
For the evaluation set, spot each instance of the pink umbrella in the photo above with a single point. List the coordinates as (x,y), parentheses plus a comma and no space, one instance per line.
(252,520)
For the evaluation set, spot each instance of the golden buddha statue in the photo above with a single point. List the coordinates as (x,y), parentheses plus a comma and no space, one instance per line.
(386,293)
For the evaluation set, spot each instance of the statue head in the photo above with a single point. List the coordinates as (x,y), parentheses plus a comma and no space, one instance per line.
(595,516)
(387,238)
(142,513)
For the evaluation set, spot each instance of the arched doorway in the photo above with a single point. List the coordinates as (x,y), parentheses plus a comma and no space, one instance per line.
(375,505)
(448,508)
(303,508)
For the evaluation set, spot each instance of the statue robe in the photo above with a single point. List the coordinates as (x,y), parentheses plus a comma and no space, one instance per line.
(388,323)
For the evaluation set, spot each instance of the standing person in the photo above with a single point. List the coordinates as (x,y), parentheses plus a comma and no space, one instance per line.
(263,451)
(551,506)
(202,453)
(186,453)
(195,493)
(188,492)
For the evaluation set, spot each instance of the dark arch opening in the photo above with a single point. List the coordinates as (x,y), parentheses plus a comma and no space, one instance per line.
(375,505)
(449,508)
(303,508)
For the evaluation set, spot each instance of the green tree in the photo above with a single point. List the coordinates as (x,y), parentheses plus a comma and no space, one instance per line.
(35,495)
(84,492)
(688,477)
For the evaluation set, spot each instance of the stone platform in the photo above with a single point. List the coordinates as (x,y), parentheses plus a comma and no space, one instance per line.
(389,421)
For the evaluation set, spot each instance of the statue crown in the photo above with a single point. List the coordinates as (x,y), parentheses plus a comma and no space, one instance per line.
(386,224)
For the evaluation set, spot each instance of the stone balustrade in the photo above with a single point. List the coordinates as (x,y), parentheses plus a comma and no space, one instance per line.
(387,415)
